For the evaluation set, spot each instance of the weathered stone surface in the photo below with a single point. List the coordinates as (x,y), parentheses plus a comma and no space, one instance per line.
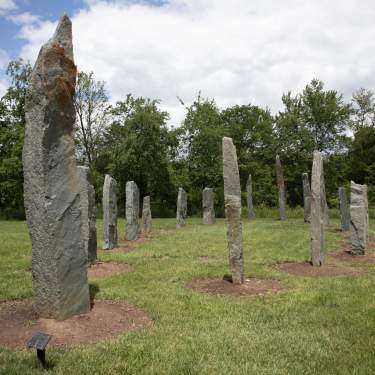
(358,219)
(51,182)
(146,215)
(132,228)
(317,226)
(110,239)
(88,207)
(344,210)
(306,197)
(281,188)
(208,199)
(249,196)
(232,200)
(181,212)
(367,213)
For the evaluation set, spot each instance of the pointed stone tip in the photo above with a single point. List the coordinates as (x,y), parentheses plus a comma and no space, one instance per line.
(63,35)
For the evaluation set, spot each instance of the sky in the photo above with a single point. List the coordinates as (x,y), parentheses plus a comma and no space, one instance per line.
(236,52)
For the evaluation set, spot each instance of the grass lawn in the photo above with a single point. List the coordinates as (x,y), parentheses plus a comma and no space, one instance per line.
(315,326)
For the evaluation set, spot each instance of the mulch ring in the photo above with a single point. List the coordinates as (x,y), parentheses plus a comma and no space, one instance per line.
(251,287)
(306,269)
(106,319)
(104,269)
(127,246)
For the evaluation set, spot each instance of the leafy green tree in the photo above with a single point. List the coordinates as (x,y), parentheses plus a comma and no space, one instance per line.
(136,148)
(12,127)
(363,114)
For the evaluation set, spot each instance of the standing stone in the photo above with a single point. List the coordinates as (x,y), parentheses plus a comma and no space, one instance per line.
(51,182)
(317,211)
(358,219)
(88,214)
(281,188)
(181,212)
(344,211)
(249,195)
(208,197)
(146,215)
(306,197)
(232,200)
(109,213)
(132,228)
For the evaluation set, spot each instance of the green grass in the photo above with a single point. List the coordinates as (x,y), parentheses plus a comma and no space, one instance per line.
(315,326)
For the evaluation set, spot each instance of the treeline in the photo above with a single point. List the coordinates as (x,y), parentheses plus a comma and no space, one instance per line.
(131,141)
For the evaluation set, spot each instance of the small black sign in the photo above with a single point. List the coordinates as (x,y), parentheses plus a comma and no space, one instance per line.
(39,341)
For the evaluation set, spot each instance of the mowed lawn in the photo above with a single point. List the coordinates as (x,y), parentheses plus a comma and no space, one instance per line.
(314,326)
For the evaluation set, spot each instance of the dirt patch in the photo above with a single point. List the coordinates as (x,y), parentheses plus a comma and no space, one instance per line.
(307,270)
(204,259)
(251,287)
(105,269)
(107,319)
(346,256)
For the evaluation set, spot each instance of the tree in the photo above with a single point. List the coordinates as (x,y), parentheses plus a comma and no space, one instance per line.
(136,146)
(363,114)
(12,128)
(92,115)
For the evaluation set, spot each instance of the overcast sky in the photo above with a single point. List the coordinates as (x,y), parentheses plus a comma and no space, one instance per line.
(237,52)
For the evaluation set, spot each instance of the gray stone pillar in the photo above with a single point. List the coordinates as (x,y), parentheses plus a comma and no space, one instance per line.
(358,219)
(281,188)
(232,200)
(51,182)
(132,229)
(88,206)
(306,197)
(344,211)
(146,215)
(249,196)
(208,197)
(181,212)
(367,213)
(317,211)
(109,213)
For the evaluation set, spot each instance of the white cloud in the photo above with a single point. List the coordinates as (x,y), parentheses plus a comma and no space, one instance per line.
(6,6)
(237,51)
(25,18)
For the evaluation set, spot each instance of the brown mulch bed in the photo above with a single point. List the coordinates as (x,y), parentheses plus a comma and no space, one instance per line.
(251,287)
(106,319)
(104,269)
(326,270)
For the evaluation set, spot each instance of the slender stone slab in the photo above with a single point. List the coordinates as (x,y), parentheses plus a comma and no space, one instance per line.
(181,212)
(109,213)
(232,200)
(281,188)
(306,197)
(146,215)
(249,196)
(208,198)
(317,211)
(358,219)
(367,213)
(132,228)
(51,182)
(344,210)
(88,207)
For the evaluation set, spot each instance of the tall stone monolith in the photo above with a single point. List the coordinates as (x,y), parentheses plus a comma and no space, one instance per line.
(344,210)
(358,219)
(317,227)
(208,199)
(88,207)
(306,197)
(110,240)
(146,215)
(367,213)
(51,182)
(249,197)
(280,188)
(232,201)
(132,228)
(181,212)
